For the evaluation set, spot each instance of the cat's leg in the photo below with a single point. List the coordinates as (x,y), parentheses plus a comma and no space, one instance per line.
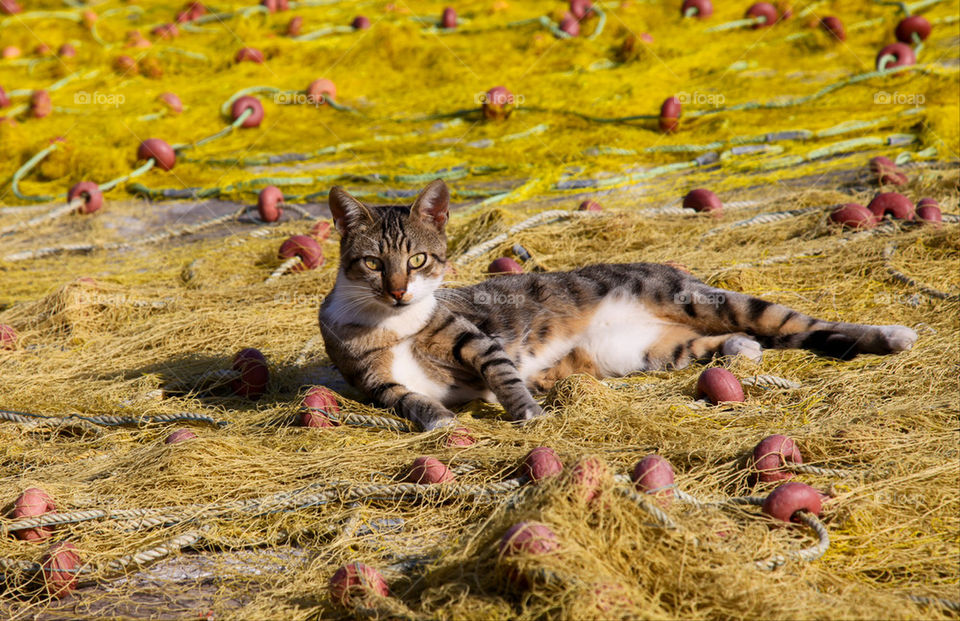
(679,348)
(425,411)
(484,354)
(717,311)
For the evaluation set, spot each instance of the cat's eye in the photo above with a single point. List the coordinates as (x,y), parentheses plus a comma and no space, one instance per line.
(417,260)
(373,263)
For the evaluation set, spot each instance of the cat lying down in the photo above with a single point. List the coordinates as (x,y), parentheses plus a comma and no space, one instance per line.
(419,349)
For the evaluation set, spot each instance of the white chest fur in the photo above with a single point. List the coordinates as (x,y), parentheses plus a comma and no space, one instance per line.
(408,372)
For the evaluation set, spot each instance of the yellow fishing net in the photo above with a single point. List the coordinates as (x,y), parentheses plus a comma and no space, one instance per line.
(127,319)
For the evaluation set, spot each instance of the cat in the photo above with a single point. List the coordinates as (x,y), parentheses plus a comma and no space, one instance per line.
(409,344)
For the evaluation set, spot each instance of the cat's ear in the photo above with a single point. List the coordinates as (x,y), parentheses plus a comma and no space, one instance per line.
(433,204)
(347,211)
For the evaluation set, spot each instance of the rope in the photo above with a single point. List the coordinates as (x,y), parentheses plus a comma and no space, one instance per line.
(899,276)
(770,380)
(109,420)
(366,420)
(149,239)
(809,554)
(935,601)
(764,218)
(546,217)
(818,470)
(53,214)
(285,267)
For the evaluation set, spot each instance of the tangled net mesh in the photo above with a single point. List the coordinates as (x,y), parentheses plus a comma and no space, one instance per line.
(128,331)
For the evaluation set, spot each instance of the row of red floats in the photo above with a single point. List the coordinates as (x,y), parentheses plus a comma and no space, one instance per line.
(357,583)
(652,475)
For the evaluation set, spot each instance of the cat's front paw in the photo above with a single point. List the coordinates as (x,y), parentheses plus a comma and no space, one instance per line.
(441,421)
(527,413)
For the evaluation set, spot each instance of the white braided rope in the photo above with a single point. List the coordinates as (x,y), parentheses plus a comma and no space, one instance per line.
(53,214)
(770,380)
(285,267)
(545,217)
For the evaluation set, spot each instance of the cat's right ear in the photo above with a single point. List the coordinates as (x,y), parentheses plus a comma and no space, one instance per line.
(347,211)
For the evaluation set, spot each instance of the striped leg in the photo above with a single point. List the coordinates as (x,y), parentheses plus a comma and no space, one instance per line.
(429,413)
(480,352)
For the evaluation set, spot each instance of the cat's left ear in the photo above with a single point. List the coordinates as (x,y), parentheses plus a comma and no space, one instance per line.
(433,204)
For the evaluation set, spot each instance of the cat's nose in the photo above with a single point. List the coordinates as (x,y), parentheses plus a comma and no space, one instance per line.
(398,294)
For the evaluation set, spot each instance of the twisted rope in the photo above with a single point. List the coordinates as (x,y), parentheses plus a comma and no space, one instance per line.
(546,217)
(764,218)
(770,380)
(27,255)
(899,276)
(367,420)
(809,554)
(109,420)
(285,267)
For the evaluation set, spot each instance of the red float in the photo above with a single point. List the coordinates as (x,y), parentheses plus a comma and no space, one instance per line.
(172,102)
(886,171)
(913,25)
(764,10)
(590,205)
(165,31)
(498,103)
(158,150)
(254,374)
(10,7)
(854,216)
(4,100)
(60,566)
(249,54)
(319,403)
(834,26)
(40,104)
(701,9)
(33,502)
(504,265)
(294,26)
(702,199)
(541,463)
(895,55)
(895,204)
(67,51)
(241,105)
(8,337)
(307,248)
(460,437)
(570,25)
(528,538)
(429,471)
(580,8)
(670,111)
(267,203)
(719,385)
(771,455)
(356,583)
(90,192)
(321,230)
(319,90)
(928,210)
(588,477)
(449,18)
(180,435)
(360,23)
(784,502)
(653,475)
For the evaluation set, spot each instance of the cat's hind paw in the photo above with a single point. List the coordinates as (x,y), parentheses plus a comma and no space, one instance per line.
(898,338)
(743,346)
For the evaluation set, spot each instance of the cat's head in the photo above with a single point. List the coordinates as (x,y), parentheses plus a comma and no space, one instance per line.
(389,255)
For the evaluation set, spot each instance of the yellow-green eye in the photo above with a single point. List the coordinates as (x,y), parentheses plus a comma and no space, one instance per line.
(372,263)
(417,260)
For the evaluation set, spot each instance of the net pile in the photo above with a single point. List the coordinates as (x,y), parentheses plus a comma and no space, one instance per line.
(128,319)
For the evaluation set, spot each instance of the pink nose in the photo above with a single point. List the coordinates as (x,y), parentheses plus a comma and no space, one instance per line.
(398,294)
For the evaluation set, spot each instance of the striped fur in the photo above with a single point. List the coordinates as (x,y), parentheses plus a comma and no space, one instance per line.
(421,349)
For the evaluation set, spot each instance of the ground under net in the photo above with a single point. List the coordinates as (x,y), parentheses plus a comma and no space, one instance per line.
(127,320)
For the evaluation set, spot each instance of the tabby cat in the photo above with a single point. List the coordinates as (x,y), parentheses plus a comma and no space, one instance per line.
(421,349)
